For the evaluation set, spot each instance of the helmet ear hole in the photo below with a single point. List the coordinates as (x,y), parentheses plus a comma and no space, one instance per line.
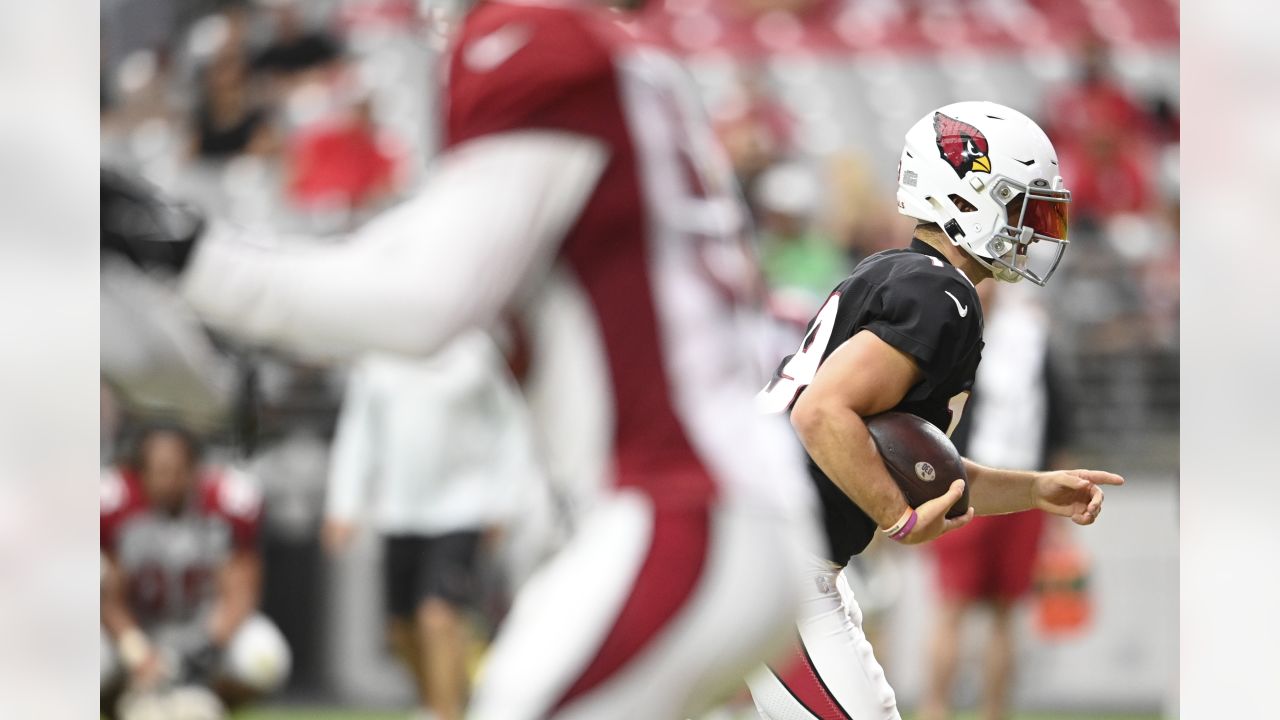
(961,204)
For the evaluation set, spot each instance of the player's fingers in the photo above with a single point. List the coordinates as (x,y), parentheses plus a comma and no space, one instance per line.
(950,524)
(1099,477)
(1095,503)
(937,507)
(954,492)
(1083,514)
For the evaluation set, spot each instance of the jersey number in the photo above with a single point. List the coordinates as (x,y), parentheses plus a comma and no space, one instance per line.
(797,371)
(158,593)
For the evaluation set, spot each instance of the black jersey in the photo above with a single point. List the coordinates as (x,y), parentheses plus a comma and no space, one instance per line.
(918,302)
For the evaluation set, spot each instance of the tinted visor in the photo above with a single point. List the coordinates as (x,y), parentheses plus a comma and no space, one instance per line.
(1046,217)
(1036,230)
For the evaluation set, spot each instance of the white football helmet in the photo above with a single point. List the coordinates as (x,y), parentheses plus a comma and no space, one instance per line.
(988,176)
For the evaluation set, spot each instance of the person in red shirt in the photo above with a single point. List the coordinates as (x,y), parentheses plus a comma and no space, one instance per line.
(1095,102)
(1104,137)
(182,576)
(345,164)
(1107,178)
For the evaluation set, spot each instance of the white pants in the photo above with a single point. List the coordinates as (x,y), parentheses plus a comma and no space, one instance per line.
(257,656)
(646,614)
(832,674)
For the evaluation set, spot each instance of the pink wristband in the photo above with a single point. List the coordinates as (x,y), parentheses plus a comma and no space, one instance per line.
(902,520)
(905,530)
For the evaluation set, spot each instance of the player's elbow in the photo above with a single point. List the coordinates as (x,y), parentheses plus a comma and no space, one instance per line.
(816,417)
(809,415)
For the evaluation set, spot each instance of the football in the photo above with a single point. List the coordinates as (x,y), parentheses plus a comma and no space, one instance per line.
(919,457)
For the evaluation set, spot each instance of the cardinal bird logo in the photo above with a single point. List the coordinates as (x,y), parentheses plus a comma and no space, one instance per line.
(961,144)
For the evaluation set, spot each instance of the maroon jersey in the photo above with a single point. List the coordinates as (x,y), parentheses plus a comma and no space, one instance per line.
(658,258)
(170,562)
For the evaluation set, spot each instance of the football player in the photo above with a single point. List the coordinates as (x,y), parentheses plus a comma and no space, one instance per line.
(581,186)
(904,332)
(181,576)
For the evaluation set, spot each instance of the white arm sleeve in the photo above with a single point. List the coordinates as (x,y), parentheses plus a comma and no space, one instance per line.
(492,212)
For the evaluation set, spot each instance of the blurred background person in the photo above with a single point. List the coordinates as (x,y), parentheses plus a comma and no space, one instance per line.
(754,127)
(794,252)
(442,443)
(862,218)
(297,46)
(1108,137)
(228,120)
(346,163)
(1016,417)
(182,576)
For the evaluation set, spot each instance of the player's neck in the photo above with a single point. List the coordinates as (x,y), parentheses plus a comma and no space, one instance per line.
(936,239)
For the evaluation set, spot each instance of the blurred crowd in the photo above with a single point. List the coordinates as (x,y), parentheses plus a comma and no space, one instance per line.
(316,115)
(282,111)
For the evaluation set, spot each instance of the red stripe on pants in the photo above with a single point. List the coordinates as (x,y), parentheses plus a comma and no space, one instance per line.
(666,581)
(801,679)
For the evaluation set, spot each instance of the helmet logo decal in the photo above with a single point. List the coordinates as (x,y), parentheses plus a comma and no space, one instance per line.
(962,145)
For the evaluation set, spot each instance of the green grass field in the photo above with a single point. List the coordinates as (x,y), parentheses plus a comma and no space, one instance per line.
(302,714)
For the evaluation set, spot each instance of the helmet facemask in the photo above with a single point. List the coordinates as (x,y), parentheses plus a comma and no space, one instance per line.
(1032,240)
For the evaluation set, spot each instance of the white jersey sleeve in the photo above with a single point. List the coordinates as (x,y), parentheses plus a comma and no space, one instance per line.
(354,457)
(492,213)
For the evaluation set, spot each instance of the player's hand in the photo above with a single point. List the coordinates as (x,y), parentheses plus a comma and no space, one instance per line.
(144,226)
(151,672)
(1076,494)
(336,535)
(932,520)
(201,663)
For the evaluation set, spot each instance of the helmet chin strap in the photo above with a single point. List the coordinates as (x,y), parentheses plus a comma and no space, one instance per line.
(1004,273)
(1000,270)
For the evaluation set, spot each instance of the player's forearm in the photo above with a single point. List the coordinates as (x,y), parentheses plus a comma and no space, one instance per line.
(993,491)
(838,441)
(451,257)
(132,644)
(115,615)
(227,615)
(335,302)
(238,598)
(116,619)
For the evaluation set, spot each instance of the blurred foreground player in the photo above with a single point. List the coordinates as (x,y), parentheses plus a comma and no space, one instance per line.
(904,333)
(181,577)
(581,183)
